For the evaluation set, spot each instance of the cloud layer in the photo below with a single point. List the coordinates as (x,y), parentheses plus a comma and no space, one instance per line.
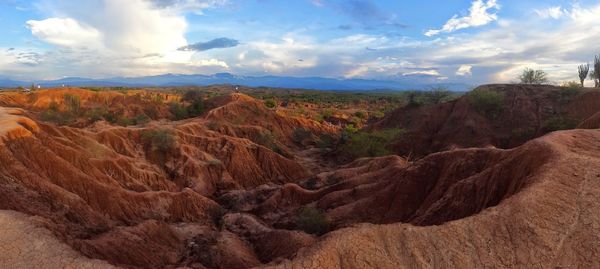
(149,37)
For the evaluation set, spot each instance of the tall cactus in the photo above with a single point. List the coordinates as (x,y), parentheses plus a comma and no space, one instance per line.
(583,69)
(597,71)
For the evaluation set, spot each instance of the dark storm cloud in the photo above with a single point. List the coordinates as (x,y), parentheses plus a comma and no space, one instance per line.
(217,43)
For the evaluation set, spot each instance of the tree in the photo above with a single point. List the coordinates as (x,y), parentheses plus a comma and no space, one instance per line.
(436,96)
(596,73)
(583,69)
(530,76)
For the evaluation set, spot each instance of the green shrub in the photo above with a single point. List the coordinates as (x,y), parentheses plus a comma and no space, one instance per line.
(73,103)
(161,141)
(348,131)
(378,114)
(196,108)
(489,103)
(53,106)
(269,140)
(270,103)
(54,115)
(328,112)
(415,99)
(141,119)
(437,96)
(300,111)
(360,114)
(191,95)
(57,117)
(157,98)
(567,94)
(312,221)
(95,114)
(369,143)
(326,141)
(558,123)
(319,118)
(179,112)
(300,135)
(124,121)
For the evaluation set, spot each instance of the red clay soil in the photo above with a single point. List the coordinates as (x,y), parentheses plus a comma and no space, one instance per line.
(439,188)
(525,112)
(592,122)
(101,196)
(126,103)
(552,222)
(242,116)
(104,191)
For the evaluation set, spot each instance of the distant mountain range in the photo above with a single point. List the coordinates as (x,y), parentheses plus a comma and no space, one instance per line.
(166,80)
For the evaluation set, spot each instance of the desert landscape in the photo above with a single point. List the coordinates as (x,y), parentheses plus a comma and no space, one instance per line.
(299,134)
(211,177)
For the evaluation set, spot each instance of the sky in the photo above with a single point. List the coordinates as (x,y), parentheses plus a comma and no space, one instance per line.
(467,41)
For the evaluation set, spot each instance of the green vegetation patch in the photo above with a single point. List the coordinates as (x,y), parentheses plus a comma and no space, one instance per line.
(269,140)
(558,123)
(358,144)
(161,141)
(192,105)
(300,135)
(312,221)
(486,102)
(270,103)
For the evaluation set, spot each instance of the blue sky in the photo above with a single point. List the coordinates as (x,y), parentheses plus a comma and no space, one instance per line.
(471,41)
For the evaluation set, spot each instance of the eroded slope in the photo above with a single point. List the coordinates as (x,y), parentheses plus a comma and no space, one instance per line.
(552,223)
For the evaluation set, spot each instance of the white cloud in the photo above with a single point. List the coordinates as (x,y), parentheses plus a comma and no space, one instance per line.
(210,62)
(479,15)
(464,70)
(552,12)
(64,32)
(113,37)
(503,52)
(433,73)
